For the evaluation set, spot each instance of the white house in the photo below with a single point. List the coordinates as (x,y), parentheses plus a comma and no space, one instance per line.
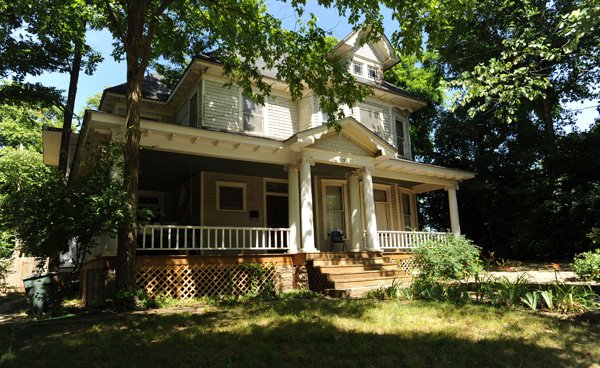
(225,176)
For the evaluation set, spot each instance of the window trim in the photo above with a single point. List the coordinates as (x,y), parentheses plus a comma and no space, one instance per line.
(230,184)
(334,183)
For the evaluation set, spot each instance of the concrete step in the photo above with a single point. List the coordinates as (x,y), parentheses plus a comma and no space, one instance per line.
(381,281)
(365,275)
(347,261)
(358,268)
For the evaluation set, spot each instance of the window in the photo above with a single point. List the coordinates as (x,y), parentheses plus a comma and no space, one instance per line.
(335,215)
(400,138)
(231,196)
(373,73)
(407,222)
(252,116)
(357,68)
(324,117)
(193,110)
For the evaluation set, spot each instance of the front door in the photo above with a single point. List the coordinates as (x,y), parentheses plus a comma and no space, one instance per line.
(277,211)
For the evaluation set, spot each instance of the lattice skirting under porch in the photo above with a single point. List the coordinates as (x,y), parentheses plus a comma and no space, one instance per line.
(191,281)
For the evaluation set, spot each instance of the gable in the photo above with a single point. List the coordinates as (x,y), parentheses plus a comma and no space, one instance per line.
(333,142)
(369,53)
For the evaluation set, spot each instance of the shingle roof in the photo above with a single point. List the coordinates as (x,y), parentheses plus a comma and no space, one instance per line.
(152,89)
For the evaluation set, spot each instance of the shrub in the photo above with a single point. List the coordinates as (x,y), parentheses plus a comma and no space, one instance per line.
(457,259)
(587,265)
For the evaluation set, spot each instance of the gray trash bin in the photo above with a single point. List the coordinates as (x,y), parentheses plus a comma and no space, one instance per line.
(40,290)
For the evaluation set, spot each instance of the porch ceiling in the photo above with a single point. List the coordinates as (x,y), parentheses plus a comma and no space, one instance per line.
(165,170)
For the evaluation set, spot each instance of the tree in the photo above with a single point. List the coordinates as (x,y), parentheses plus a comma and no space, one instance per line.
(502,54)
(45,36)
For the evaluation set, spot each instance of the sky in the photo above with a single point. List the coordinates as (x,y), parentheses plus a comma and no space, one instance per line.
(110,73)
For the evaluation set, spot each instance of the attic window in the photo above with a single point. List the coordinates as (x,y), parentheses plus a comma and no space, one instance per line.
(373,73)
(357,68)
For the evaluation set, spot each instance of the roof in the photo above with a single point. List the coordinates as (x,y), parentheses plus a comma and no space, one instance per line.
(152,88)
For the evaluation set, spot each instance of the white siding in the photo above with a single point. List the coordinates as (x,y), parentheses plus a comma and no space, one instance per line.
(283,117)
(305,113)
(384,129)
(220,107)
(367,52)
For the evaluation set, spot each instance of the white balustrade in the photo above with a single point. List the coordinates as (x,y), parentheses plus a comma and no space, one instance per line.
(174,237)
(406,240)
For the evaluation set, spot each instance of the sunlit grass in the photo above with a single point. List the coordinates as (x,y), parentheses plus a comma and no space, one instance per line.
(305,333)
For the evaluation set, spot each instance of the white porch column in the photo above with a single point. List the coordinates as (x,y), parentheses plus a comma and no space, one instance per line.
(293,208)
(306,215)
(370,216)
(453,206)
(355,218)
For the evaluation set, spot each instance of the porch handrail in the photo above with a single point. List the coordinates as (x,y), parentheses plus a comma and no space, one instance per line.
(407,240)
(183,237)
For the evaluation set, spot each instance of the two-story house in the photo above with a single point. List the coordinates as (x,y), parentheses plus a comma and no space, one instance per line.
(226,176)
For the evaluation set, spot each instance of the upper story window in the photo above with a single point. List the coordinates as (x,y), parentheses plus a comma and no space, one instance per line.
(357,68)
(401,137)
(373,73)
(253,119)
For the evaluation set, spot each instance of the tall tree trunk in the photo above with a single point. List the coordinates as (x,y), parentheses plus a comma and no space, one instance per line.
(136,44)
(70,106)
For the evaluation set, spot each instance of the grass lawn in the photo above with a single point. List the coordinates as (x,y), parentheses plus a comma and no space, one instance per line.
(306,333)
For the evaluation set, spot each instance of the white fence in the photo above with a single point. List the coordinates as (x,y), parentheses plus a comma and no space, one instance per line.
(406,240)
(172,237)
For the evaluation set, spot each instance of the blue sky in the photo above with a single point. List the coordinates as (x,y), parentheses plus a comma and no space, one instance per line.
(110,72)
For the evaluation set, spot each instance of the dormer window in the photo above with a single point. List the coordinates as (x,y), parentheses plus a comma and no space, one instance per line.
(357,68)
(373,73)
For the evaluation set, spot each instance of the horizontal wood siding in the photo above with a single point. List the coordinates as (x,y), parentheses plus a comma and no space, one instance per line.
(305,113)
(367,52)
(221,106)
(283,117)
(182,117)
(254,201)
(384,130)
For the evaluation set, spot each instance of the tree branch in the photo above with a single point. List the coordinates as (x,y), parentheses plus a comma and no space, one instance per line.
(113,20)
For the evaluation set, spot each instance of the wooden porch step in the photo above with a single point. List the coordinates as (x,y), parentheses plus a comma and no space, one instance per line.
(347,261)
(358,268)
(338,255)
(365,275)
(361,291)
(380,281)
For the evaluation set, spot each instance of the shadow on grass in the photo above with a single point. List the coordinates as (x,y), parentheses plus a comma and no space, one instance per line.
(231,338)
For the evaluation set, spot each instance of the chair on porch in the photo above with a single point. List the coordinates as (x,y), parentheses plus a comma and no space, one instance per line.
(337,237)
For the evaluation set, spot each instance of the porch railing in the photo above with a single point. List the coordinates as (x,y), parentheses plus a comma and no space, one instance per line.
(406,240)
(174,237)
